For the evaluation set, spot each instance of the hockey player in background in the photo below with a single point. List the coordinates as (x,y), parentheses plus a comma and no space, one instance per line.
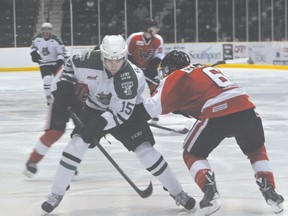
(48,51)
(146,49)
(222,109)
(115,94)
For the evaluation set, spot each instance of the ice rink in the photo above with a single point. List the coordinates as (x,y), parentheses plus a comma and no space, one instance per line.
(99,190)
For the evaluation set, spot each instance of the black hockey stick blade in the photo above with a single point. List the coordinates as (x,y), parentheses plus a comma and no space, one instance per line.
(142,193)
(145,193)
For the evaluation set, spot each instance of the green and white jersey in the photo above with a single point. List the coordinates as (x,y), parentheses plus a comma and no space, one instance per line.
(50,50)
(116,95)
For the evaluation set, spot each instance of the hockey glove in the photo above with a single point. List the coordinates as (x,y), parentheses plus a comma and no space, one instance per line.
(139,114)
(35,56)
(58,64)
(81,91)
(151,70)
(93,130)
(178,112)
(64,97)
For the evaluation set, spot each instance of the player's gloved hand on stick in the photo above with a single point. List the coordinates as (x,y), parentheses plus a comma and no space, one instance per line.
(35,56)
(81,92)
(93,130)
(65,98)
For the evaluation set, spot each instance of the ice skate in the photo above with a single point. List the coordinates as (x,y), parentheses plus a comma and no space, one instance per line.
(185,200)
(31,169)
(211,199)
(48,99)
(51,203)
(272,198)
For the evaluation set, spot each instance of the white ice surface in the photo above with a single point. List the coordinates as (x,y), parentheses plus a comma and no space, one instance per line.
(100,190)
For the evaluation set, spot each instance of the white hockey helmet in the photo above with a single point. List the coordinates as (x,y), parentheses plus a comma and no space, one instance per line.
(113,47)
(46,25)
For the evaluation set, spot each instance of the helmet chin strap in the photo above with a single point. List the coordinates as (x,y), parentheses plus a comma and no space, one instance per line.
(109,74)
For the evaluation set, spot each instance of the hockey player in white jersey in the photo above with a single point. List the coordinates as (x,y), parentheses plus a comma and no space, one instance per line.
(48,51)
(115,94)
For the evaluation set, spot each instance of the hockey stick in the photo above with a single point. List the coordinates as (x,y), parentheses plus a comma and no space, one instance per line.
(42,62)
(232,61)
(151,81)
(143,193)
(181,131)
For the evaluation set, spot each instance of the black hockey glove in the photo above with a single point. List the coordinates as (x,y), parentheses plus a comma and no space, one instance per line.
(64,97)
(178,112)
(93,130)
(151,70)
(58,64)
(35,56)
(139,114)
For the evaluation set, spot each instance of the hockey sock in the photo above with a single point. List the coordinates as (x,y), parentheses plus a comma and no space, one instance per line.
(200,178)
(70,160)
(43,144)
(261,165)
(198,167)
(154,162)
(47,84)
(50,137)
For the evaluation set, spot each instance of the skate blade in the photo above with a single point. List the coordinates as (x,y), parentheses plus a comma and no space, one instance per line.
(28,174)
(44,213)
(276,208)
(216,204)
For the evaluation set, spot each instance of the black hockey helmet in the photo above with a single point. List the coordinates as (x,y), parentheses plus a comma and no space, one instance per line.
(172,61)
(147,23)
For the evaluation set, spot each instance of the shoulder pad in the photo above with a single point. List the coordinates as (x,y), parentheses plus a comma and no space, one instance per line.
(90,60)
(58,39)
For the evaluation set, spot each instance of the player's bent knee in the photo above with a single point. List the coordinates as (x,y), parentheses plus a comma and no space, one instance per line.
(147,154)
(76,147)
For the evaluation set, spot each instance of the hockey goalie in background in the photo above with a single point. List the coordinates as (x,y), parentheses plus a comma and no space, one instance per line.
(48,51)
